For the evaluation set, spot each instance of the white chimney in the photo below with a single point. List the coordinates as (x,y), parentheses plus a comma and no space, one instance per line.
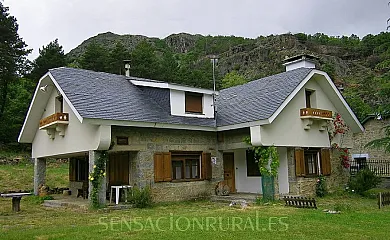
(127,67)
(300,61)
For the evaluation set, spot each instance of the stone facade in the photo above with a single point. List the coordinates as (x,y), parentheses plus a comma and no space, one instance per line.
(144,142)
(374,129)
(305,186)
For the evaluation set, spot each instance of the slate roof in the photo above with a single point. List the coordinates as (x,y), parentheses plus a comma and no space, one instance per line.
(100,95)
(259,99)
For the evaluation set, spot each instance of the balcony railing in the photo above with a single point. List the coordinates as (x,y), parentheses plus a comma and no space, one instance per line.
(53,120)
(316,113)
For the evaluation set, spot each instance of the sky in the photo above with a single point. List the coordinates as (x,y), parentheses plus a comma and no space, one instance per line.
(73,21)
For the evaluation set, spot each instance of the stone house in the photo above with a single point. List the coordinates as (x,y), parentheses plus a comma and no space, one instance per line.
(182,140)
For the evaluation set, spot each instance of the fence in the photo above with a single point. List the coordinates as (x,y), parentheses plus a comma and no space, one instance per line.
(379,167)
(383,199)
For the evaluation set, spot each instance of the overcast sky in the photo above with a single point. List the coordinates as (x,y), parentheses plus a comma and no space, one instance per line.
(72,21)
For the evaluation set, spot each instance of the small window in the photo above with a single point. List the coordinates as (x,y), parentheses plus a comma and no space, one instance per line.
(59,104)
(252,164)
(193,102)
(185,166)
(122,140)
(308,94)
(312,158)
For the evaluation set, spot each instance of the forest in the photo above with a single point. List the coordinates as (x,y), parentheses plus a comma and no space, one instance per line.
(360,65)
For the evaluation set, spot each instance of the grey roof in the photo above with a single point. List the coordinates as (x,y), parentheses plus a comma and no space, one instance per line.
(99,95)
(108,96)
(259,99)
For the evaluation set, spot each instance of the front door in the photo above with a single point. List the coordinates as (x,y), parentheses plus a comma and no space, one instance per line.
(228,168)
(118,169)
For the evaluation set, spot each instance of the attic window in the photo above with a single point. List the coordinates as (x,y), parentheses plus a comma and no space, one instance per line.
(194,102)
(308,97)
(59,104)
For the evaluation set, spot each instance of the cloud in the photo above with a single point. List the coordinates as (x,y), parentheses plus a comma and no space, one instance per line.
(73,21)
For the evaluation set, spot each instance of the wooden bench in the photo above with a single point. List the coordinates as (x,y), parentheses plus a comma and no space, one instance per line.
(16,197)
(383,199)
(300,202)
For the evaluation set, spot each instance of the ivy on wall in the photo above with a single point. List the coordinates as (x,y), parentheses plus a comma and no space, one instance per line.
(99,172)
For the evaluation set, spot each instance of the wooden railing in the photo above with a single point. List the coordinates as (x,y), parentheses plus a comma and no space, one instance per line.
(316,113)
(63,117)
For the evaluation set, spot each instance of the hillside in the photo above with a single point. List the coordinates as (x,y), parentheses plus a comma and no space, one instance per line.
(360,65)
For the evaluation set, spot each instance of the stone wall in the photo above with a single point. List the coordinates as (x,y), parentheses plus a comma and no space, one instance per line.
(144,142)
(374,129)
(305,186)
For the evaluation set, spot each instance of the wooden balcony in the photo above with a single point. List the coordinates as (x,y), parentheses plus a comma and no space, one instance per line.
(56,118)
(314,113)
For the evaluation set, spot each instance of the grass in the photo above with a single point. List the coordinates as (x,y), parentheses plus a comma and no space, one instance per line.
(360,218)
(21,176)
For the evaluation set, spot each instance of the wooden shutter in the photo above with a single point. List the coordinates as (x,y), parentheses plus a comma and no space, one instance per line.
(325,162)
(72,169)
(206,166)
(162,167)
(194,103)
(300,169)
(158,167)
(167,164)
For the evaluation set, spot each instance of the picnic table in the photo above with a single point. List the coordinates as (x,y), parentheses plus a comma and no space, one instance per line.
(16,197)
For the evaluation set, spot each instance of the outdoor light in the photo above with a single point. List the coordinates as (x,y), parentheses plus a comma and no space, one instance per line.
(43,88)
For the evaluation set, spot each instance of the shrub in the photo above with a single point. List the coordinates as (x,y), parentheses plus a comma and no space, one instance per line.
(140,197)
(363,181)
(321,190)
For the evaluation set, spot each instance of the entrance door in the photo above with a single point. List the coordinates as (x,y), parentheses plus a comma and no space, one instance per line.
(118,169)
(228,168)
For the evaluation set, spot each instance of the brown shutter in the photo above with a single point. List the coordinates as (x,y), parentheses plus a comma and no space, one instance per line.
(158,167)
(167,163)
(193,102)
(206,166)
(72,169)
(325,162)
(300,170)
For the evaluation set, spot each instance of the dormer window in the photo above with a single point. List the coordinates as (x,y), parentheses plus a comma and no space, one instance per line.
(194,103)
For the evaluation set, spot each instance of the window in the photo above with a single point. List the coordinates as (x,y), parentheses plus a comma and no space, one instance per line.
(193,102)
(308,94)
(59,104)
(78,169)
(122,140)
(312,162)
(252,164)
(171,166)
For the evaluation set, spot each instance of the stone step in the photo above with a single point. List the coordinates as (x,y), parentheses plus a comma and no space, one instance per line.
(236,197)
(60,203)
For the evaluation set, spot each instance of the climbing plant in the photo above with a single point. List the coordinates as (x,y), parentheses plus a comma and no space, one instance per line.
(268,158)
(99,172)
(336,127)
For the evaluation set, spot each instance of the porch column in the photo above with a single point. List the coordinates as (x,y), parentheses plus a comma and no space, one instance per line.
(39,173)
(93,156)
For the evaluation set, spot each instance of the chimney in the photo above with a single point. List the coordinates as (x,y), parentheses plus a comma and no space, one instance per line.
(127,67)
(300,61)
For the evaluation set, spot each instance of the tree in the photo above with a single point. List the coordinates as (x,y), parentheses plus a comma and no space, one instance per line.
(144,61)
(116,57)
(13,54)
(50,56)
(233,79)
(94,58)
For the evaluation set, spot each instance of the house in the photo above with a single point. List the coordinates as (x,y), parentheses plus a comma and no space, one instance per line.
(375,159)
(178,139)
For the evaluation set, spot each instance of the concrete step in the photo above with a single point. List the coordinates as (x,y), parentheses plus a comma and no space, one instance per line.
(250,198)
(61,203)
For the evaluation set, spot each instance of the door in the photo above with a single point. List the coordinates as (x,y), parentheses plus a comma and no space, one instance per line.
(228,168)
(118,169)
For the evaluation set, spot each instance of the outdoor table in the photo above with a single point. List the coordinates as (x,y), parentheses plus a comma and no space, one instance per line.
(16,197)
(117,189)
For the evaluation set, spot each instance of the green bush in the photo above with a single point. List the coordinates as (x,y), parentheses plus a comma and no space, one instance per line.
(140,197)
(363,181)
(321,190)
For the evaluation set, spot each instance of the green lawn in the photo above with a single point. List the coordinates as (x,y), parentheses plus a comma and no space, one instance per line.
(21,176)
(359,219)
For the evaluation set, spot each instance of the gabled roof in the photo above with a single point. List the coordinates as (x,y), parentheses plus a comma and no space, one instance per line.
(259,99)
(98,95)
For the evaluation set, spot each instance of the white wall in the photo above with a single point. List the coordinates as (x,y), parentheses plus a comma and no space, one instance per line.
(244,184)
(78,137)
(288,128)
(283,171)
(178,100)
(299,64)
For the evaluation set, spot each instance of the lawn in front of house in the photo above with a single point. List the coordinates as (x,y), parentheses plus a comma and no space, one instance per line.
(360,218)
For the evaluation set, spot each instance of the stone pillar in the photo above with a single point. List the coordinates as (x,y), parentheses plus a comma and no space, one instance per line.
(39,173)
(93,156)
